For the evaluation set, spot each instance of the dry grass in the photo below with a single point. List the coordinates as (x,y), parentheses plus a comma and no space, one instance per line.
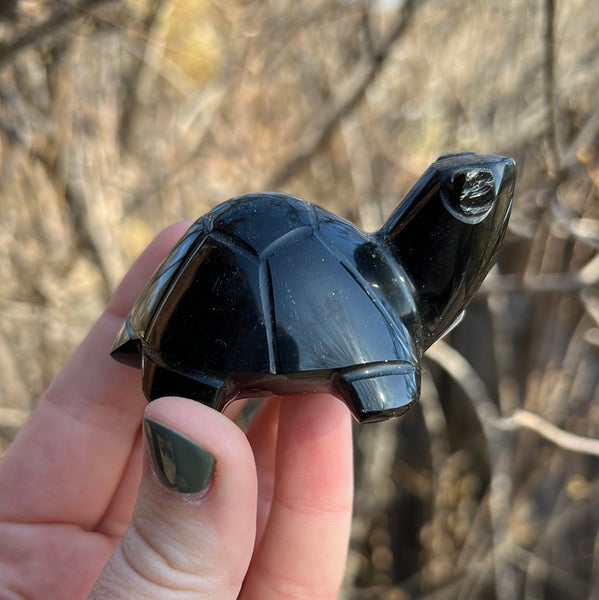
(119,118)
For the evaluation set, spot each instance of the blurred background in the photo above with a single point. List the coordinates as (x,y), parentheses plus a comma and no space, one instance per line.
(118,118)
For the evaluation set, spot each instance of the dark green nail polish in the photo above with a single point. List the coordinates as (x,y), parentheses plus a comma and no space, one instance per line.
(180,463)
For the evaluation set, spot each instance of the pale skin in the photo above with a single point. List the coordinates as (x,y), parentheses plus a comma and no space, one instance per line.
(82,513)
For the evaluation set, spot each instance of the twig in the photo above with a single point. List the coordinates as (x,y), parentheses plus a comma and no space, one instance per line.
(554,156)
(317,137)
(591,304)
(474,388)
(138,77)
(536,563)
(460,370)
(500,457)
(549,431)
(77,206)
(13,418)
(500,453)
(587,134)
(547,283)
(63,15)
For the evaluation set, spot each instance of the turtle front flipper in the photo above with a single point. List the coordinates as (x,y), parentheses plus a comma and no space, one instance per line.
(446,233)
(127,347)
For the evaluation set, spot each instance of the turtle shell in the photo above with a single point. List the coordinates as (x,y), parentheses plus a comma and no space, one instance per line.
(269,294)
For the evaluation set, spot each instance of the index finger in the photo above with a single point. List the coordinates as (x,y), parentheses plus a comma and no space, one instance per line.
(302,551)
(68,461)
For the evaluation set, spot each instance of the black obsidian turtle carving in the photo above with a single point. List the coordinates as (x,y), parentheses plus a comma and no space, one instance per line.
(268,294)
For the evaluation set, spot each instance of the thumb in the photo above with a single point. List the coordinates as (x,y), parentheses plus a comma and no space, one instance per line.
(193,527)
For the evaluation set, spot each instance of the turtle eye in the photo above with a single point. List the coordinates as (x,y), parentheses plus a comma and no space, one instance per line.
(469,194)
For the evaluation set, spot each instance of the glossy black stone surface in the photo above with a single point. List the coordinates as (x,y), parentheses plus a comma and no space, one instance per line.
(270,295)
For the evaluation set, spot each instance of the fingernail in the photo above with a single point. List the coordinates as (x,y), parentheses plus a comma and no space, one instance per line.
(181,464)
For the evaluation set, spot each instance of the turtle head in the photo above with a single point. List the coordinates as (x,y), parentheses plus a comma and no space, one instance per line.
(471,186)
(446,232)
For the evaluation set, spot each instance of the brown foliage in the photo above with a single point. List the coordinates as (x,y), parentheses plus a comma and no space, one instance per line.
(119,118)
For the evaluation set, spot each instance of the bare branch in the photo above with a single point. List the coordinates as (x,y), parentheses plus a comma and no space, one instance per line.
(474,388)
(587,134)
(548,431)
(13,417)
(547,283)
(135,81)
(65,14)
(553,150)
(317,137)
(468,380)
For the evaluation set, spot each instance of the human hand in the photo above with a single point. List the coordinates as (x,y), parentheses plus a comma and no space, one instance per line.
(85,510)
